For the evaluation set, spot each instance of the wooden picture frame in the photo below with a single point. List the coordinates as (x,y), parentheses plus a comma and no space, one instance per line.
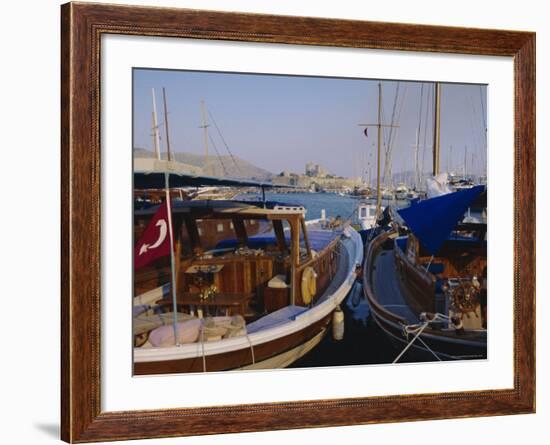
(82,26)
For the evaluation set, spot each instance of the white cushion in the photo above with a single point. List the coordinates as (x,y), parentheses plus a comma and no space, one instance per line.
(277,282)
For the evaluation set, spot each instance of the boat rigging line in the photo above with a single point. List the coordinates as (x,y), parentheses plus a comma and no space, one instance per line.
(223,140)
(416,172)
(217,154)
(424,144)
(387,162)
(483,116)
(392,137)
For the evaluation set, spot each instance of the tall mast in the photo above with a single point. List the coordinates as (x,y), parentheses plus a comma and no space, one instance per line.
(465,157)
(379,125)
(205,126)
(155,146)
(166,125)
(156,135)
(170,225)
(484,148)
(416,149)
(437,118)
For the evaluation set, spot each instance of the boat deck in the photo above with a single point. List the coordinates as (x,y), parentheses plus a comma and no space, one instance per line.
(386,287)
(289,313)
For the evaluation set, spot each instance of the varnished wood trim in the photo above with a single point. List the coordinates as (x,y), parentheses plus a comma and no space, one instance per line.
(201,24)
(525,224)
(82,27)
(66,393)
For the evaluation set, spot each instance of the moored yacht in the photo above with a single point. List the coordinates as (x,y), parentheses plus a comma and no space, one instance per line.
(401,191)
(249,302)
(425,278)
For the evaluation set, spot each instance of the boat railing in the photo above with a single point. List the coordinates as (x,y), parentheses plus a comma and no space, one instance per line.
(325,266)
(420,269)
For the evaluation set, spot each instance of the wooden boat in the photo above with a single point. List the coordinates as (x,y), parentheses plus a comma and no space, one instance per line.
(425,279)
(252,302)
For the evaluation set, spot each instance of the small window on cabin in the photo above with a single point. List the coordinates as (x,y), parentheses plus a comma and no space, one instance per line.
(261,235)
(257,226)
(214,235)
(372,211)
(363,212)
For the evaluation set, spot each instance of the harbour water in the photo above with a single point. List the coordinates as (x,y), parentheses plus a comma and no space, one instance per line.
(334,204)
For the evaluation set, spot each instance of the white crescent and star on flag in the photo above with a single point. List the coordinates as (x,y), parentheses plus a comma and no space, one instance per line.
(162,236)
(154,242)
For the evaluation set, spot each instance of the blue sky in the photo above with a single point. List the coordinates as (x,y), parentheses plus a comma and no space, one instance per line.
(281,122)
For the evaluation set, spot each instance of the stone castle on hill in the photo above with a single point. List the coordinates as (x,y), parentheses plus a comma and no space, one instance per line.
(315,177)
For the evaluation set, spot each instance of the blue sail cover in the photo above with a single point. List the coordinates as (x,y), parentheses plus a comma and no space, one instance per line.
(433,220)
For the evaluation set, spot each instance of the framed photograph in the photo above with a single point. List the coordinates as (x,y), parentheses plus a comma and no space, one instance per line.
(274,222)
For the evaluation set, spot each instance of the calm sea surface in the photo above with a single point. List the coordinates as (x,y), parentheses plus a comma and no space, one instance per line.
(335,205)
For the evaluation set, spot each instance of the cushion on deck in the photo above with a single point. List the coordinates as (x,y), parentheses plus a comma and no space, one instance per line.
(278,282)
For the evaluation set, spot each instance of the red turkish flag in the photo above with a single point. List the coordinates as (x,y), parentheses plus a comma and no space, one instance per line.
(155,241)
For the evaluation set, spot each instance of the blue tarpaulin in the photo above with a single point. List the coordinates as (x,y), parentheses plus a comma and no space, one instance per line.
(433,220)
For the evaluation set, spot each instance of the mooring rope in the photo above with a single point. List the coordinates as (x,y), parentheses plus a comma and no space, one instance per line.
(429,349)
(202,346)
(412,341)
(251,348)
(417,329)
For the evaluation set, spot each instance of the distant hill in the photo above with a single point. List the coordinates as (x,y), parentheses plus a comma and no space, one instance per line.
(222,166)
